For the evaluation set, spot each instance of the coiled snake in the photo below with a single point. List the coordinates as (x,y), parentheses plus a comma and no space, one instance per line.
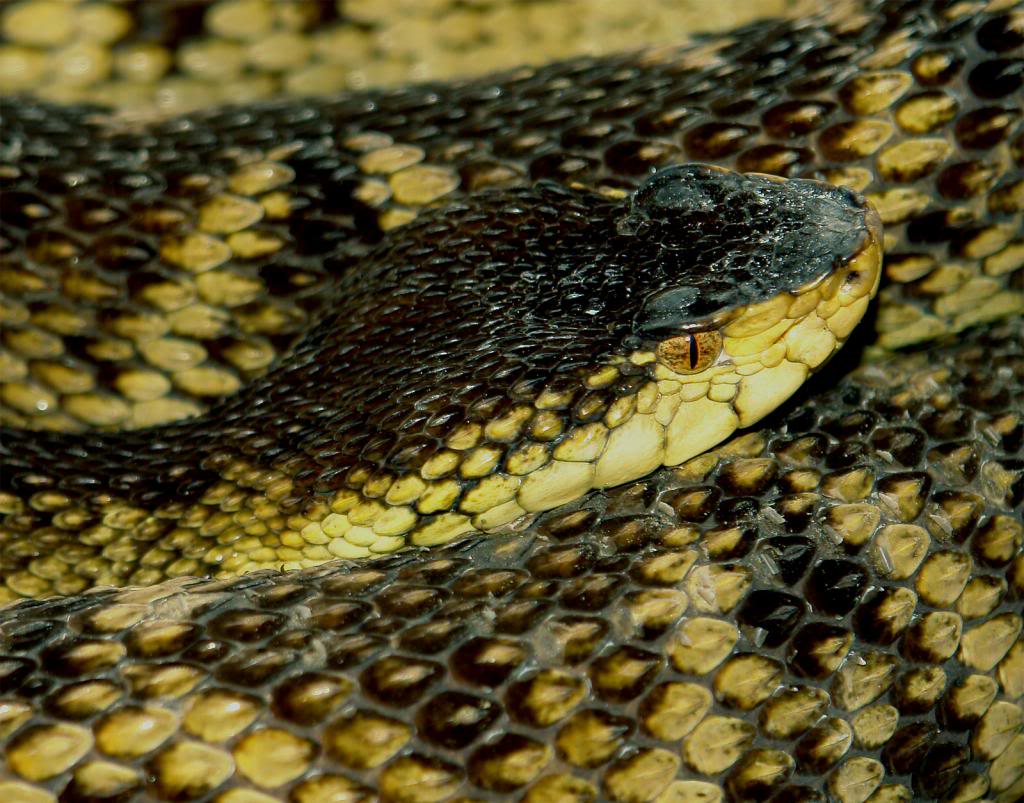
(422,314)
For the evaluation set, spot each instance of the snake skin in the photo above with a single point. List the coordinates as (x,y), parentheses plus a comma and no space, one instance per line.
(190,253)
(825,609)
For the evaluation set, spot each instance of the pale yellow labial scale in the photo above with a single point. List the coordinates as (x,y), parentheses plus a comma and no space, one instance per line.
(759,317)
(762,392)
(634,450)
(843,322)
(554,485)
(773,354)
(810,342)
(667,407)
(690,393)
(665,374)
(803,304)
(722,393)
(829,286)
(754,344)
(829,307)
(697,427)
(647,398)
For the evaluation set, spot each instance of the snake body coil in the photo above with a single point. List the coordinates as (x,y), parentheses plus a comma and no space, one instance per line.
(825,608)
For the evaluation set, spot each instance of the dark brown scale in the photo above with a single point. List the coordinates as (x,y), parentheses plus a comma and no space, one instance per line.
(490,765)
(986,127)
(774,159)
(736,510)
(962,510)
(774,612)
(713,141)
(909,699)
(798,794)
(253,667)
(967,179)
(454,720)
(788,556)
(162,641)
(835,586)
(908,748)
(579,637)
(590,594)
(997,78)
(748,781)
(694,504)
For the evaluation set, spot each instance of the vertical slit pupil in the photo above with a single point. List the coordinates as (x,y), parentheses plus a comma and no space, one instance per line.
(693,352)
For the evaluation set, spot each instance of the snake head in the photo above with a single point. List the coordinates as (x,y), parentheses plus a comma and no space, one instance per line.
(758,281)
(506,354)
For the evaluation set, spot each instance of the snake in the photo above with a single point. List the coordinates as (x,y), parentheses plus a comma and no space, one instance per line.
(491,439)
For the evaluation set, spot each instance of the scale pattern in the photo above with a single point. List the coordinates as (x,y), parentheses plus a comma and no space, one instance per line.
(190,253)
(828,608)
(482,364)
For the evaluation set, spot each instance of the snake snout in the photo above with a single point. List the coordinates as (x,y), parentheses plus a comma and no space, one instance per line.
(727,240)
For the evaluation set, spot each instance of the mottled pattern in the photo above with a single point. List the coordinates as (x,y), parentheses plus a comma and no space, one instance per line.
(829,608)
(188,266)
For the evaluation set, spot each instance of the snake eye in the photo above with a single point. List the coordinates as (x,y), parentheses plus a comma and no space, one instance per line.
(690,353)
